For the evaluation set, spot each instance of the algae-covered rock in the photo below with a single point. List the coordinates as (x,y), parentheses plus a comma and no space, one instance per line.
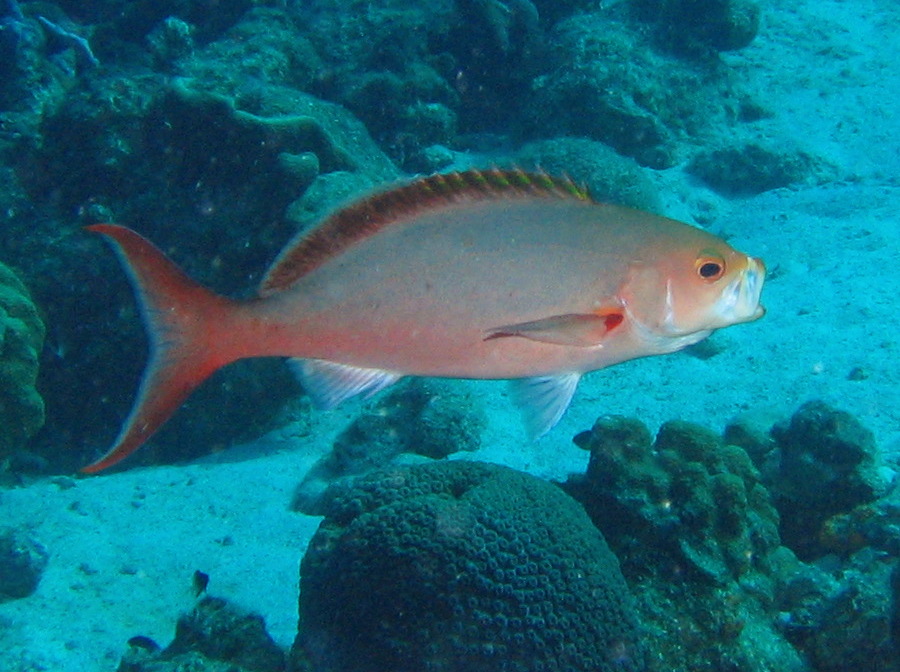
(605,82)
(829,465)
(686,498)
(427,418)
(21,340)
(462,567)
(754,167)
(264,47)
(389,63)
(325,193)
(701,26)
(844,617)
(610,177)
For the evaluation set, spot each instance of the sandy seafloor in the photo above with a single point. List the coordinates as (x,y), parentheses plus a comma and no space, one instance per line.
(123,547)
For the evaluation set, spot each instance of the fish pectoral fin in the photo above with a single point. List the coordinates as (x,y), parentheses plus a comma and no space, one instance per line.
(543,400)
(579,329)
(329,383)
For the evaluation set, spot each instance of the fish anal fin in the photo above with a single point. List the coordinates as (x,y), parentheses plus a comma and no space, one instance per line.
(543,400)
(329,384)
(578,329)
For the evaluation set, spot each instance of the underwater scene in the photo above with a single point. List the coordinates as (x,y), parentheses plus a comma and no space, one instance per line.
(449,336)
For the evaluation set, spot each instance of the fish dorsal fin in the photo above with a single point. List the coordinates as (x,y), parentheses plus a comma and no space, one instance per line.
(368,216)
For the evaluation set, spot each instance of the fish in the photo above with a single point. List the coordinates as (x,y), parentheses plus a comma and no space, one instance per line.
(480,274)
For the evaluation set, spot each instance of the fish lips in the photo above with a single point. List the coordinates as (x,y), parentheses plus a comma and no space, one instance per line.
(740,300)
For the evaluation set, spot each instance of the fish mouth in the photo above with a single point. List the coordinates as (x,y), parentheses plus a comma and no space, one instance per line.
(739,301)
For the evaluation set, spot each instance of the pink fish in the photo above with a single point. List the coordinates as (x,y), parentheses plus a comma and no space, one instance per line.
(487,275)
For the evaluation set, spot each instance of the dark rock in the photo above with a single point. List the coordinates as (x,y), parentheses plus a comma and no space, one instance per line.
(216,636)
(170,40)
(22,563)
(221,631)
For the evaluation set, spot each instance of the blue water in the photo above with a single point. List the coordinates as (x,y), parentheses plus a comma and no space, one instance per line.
(220,130)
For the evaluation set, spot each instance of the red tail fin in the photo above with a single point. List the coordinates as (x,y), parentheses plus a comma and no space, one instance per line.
(190,331)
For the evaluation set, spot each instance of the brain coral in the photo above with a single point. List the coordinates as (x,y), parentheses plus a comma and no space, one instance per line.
(21,339)
(461,566)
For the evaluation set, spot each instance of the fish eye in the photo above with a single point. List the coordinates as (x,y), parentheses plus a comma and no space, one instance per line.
(710,268)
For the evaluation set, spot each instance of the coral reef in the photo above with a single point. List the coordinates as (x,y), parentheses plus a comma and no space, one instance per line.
(430,418)
(210,132)
(21,340)
(39,63)
(694,530)
(461,566)
(693,521)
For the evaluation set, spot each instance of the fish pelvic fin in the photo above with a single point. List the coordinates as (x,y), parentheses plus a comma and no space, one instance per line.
(543,400)
(190,330)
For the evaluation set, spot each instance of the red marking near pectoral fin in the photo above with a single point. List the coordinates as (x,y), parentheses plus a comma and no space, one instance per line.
(612,319)
(187,327)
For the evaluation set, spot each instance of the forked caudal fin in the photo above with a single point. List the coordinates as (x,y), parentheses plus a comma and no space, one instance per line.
(191,335)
